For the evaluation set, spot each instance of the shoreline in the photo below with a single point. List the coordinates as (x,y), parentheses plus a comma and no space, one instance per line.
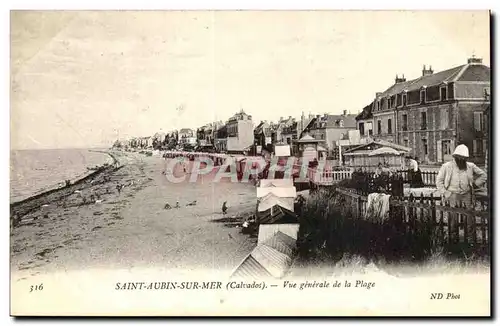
(25,206)
(130,228)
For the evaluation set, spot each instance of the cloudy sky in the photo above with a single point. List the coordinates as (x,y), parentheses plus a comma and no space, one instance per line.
(80,79)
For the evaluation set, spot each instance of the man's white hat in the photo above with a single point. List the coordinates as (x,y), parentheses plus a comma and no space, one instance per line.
(461,150)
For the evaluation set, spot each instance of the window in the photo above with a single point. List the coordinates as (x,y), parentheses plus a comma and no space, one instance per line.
(389,126)
(379,127)
(422,96)
(478,121)
(478,147)
(361,128)
(426,147)
(369,127)
(405,122)
(444,119)
(405,142)
(404,99)
(423,125)
(446,147)
(444,94)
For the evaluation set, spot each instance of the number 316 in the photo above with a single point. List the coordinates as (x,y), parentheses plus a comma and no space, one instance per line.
(36,287)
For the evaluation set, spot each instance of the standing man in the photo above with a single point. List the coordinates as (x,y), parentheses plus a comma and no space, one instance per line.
(457,180)
(414,173)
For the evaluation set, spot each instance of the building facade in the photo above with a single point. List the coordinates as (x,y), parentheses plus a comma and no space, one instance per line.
(433,113)
(262,134)
(220,142)
(187,136)
(329,129)
(240,136)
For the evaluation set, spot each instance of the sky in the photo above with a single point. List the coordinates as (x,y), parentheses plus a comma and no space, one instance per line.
(84,79)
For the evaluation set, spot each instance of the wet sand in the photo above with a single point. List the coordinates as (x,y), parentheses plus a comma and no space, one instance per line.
(131,229)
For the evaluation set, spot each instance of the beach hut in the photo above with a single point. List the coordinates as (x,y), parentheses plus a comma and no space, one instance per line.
(276,183)
(263,262)
(275,262)
(308,147)
(277,191)
(282,150)
(269,259)
(282,242)
(250,268)
(276,214)
(268,231)
(368,156)
(271,200)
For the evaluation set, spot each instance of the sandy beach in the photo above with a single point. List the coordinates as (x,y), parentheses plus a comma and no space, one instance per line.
(131,229)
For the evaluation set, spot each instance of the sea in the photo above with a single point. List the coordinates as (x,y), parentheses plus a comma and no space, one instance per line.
(36,171)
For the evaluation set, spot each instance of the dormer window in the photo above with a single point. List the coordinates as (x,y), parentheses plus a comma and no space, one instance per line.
(443,93)
(404,99)
(422,96)
(341,123)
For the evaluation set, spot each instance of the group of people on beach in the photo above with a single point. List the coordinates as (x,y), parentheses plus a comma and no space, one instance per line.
(168,206)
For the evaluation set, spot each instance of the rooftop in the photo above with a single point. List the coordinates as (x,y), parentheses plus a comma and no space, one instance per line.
(472,71)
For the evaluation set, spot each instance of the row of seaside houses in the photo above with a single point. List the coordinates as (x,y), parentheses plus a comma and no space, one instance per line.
(433,113)
(430,115)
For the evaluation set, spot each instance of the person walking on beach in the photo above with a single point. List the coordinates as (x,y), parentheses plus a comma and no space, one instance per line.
(224,208)
(457,180)
(119,188)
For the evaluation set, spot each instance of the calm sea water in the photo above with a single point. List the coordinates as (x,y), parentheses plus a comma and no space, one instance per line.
(34,171)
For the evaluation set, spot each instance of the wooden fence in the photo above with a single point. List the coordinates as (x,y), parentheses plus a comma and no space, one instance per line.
(449,227)
(331,177)
(328,177)
(428,177)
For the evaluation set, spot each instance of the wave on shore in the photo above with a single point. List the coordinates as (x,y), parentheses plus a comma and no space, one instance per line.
(34,173)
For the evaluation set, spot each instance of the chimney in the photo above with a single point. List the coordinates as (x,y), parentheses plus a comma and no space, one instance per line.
(289,117)
(474,60)
(399,79)
(345,112)
(427,72)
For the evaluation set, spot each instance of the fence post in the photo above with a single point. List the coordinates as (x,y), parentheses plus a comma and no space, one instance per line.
(464,223)
(410,215)
(432,222)
(483,227)
(358,207)
(451,219)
